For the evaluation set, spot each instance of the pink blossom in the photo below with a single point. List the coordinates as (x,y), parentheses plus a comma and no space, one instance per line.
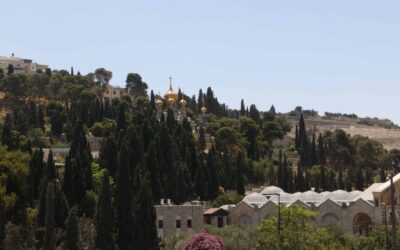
(205,241)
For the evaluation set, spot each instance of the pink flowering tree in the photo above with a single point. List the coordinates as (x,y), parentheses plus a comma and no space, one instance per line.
(205,241)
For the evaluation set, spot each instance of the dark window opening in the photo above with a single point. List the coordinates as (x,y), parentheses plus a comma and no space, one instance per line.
(220,221)
(189,223)
(178,223)
(160,224)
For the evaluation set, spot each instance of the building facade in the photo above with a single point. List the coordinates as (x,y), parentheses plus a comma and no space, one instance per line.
(355,212)
(21,65)
(172,219)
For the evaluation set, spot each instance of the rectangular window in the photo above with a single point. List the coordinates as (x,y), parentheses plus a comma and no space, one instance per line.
(160,224)
(220,221)
(189,223)
(178,223)
(114,92)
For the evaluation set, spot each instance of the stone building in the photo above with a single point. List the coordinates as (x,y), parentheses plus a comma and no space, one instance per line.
(354,212)
(111,92)
(21,65)
(172,219)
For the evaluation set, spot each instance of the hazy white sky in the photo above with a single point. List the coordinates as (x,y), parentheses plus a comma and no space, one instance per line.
(337,56)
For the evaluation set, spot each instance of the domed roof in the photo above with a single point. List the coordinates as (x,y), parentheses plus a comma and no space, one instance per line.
(171,95)
(203,110)
(340,195)
(183,102)
(271,190)
(311,196)
(159,103)
(255,198)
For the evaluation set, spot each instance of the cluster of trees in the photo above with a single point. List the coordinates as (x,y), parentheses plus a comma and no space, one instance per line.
(335,160)
(108,202)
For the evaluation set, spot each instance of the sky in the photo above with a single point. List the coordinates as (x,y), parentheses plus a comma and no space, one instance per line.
(336,56)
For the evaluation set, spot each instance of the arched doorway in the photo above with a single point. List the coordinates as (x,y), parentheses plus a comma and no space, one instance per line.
(361,223)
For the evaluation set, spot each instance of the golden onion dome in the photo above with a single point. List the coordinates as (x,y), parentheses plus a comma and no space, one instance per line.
(203,110)
(183,102)
(159,103)
(171,96)
(171,100)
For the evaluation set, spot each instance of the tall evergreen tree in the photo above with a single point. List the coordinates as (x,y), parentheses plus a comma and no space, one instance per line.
(313,153)
(49,242)
(121,121)
(201,178)
(240,165)
(145,232)
(242,108)
(213,184)
(153,167)
(123,201)
(71,231)
(202,139)
(321,150)
(281,177)
(108,157)
(105,217)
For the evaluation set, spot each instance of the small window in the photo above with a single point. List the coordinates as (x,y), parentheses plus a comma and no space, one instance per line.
(160,224)
(107,92)
(114,92)
(178,223)
(189,223)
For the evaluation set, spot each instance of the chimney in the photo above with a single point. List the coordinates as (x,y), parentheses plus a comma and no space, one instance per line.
(169,201)
(162,202)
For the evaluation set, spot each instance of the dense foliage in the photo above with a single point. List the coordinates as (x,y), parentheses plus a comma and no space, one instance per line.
(78,201)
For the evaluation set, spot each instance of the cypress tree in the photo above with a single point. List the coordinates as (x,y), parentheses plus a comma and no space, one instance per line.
(202,139)
(123,201)
(108,157)
(300,181)
(152,100)
(314,155)
(51,168)
(153,167)
(71,231)
(242,108)
(240,164)
(145,232)
(200,182)
(213,186)
(321,150)
(281,177)
(297,138)
(287,175)
(49,242)
(121,121)
(105,217)
(36,164)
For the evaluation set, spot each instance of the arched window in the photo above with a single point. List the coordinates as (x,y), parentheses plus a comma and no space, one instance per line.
(361,223)
(330,219)
(245,220)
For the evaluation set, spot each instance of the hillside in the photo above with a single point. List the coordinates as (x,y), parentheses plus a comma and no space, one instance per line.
(390,138)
